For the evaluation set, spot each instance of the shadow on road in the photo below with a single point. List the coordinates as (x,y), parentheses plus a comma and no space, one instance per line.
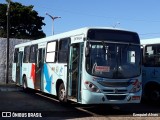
(34,101)
(110,110)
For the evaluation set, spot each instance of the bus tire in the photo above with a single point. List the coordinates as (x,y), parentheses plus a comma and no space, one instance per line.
(61,93)
(24,83)
(153,94)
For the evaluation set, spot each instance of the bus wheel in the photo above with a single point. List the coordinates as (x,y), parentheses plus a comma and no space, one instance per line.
(61,93)
(24,83)
(154,94)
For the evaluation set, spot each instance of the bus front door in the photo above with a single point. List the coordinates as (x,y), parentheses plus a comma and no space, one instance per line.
(39,69)
(19,69)
(74,74)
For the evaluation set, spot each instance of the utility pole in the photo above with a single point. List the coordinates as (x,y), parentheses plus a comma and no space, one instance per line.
(53,18)
(7,48)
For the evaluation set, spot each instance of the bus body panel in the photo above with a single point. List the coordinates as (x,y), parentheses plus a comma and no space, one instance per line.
(28,70)
(52,73)
(151,74)
(116,94)
(100,98)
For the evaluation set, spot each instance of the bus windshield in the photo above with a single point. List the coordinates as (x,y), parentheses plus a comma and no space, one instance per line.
(113,60)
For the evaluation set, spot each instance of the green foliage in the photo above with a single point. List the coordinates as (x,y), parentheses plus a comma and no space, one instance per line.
(24,22)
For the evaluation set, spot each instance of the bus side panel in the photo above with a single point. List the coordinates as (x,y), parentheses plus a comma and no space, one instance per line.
(47,77)
(14,72)
(27,70)
(150,75)
(52,73)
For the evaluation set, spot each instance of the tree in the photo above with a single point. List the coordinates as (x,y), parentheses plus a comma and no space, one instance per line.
(24,22)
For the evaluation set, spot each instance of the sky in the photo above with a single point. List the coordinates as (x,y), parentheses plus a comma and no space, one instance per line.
(141,16)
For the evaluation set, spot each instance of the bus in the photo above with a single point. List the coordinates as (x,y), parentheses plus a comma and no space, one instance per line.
(151,69)
(91,65)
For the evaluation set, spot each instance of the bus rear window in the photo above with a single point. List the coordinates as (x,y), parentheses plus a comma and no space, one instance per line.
(113,35)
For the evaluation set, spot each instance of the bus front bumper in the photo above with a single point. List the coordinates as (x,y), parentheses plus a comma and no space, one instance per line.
(102,98)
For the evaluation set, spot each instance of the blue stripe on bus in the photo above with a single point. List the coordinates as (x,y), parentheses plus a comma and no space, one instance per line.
(48,79)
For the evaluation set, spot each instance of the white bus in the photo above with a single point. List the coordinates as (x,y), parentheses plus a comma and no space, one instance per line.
(151,69)
(88,65)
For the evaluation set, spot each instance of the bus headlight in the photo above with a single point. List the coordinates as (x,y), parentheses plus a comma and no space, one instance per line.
(136,86)
(91,87)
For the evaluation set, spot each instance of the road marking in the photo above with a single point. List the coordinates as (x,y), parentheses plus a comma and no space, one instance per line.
(47,97)
(81,109)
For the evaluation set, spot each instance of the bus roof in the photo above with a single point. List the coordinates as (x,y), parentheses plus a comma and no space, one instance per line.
(68,34)
(150,41)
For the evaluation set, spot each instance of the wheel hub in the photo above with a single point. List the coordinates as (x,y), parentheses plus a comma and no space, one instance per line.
(62,94)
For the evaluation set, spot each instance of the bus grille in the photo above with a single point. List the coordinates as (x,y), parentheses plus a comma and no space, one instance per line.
(114,84)
(113,91)
(116,97)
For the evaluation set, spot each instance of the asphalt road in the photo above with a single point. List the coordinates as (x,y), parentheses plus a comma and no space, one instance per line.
(14,102)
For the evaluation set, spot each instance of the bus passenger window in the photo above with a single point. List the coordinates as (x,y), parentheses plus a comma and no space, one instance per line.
(51,52)
(63,50)
(150,55)
(33,53)
(26,54)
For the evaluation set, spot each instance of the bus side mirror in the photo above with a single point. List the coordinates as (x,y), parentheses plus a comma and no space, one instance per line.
(87,50)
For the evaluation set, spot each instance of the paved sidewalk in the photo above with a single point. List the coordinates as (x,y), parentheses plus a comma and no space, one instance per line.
(9,87)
